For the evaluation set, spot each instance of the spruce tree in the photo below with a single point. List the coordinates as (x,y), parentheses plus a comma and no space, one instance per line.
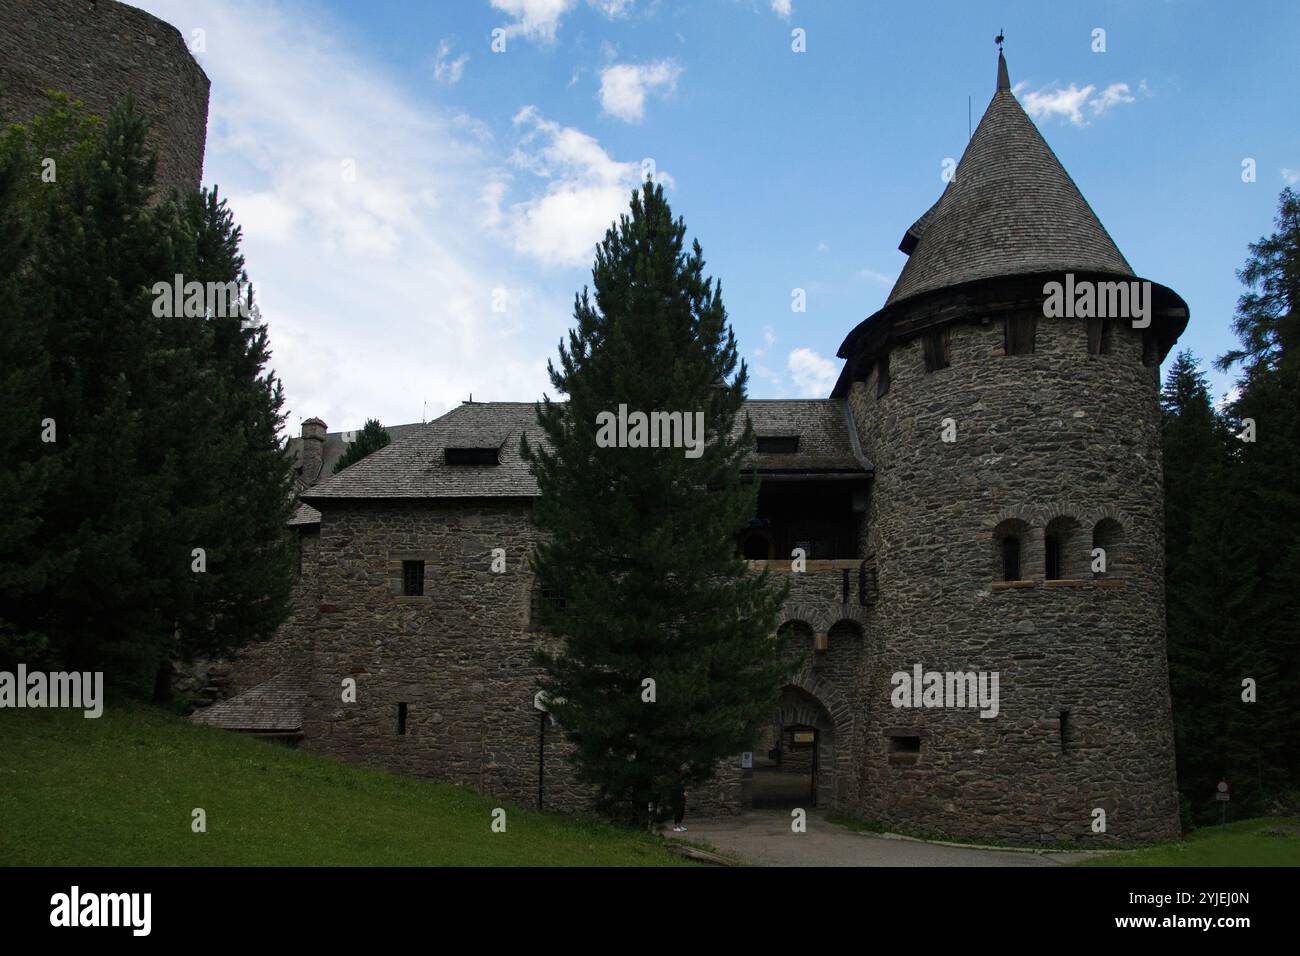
(167,427)
(666,657)
(1267,495)
(1208,579)
(370,439)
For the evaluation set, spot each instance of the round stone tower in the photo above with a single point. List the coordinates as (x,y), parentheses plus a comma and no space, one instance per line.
(1016,514)
(98,51)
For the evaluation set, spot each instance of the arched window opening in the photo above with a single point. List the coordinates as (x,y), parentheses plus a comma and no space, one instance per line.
(1008,549)
(1052,557)
(1107,547)
(1061,547)
(1010,558)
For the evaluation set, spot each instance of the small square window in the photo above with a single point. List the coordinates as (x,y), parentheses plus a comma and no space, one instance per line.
(473,456)
(778,445)
(936,349)
(1099,335)
(544,596)
(899,744)
(413,578)
(1018,334)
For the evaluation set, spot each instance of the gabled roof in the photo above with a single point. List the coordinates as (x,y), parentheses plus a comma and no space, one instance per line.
(274,706)
(415,466)
(335,444)
(1010,209)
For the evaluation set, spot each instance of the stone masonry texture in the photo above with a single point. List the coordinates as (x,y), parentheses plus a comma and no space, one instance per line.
(98,52)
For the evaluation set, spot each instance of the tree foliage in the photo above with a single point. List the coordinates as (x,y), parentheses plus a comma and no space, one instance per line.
(1232,503)
(667,658)
(370,439)
(137,448)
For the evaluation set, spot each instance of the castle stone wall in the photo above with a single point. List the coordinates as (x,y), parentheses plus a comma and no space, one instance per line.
(97,53)
(1054,433)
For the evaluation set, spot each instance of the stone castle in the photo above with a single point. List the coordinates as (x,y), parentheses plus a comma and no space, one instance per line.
(951,495)
(98,51)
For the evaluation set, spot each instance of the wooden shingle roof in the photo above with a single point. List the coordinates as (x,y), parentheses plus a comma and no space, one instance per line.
(415,465)
(274,706)
(1010,209)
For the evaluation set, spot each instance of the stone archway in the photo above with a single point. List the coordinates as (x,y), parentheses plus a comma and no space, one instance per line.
(795,765)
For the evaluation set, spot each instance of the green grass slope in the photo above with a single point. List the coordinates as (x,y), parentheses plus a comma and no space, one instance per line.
(120,791)
(1261,841)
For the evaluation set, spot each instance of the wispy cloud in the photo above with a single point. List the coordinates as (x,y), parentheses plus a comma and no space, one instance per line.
(783,8)
(874,276)
(1290,176)
(445,69)
(1072,103)
(379,266)
(624,87)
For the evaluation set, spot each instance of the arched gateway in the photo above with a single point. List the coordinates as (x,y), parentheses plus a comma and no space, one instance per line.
(795,758)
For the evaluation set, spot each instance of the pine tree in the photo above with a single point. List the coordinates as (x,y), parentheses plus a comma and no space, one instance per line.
(1267,482)
(667,659)
(371,438)
(1208,581)
(167,428)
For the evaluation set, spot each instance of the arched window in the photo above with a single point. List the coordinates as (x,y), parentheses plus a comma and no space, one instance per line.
(1108,536)
(1008,549)
(1060,550)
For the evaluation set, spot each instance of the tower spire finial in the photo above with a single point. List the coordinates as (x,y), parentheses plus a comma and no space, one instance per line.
(1004,80)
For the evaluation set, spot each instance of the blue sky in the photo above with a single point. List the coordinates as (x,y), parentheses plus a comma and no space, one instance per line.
(419,209)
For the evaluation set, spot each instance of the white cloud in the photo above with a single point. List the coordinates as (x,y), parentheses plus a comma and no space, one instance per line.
(1070,103)
(446,70)
(378,292)
(540,19)
(783,8)
(1290,176)
(534,19)
(624,86)
(586,191)
(1113,95)
(813,375)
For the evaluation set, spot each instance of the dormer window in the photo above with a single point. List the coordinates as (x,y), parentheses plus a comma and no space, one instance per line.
(473,456)
(778,444)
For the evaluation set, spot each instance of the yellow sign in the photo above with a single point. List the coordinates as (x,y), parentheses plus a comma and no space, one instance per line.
(805,736)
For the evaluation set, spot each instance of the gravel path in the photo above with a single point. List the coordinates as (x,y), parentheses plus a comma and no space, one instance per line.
(764,837)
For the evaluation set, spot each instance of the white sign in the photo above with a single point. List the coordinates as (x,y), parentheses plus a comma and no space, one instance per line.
(747,760)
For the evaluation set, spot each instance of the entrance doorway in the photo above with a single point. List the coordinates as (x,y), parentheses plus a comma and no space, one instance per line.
(794,760)
(786,775)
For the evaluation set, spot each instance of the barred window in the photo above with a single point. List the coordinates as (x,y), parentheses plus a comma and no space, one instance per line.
(412,578)
(544,597)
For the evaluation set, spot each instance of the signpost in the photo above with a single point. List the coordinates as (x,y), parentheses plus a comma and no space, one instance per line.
(1223,796)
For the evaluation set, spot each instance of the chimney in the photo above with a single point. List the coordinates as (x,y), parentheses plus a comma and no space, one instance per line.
(313,450)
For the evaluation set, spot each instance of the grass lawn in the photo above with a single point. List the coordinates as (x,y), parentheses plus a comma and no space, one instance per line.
(120,790)
(1262,841)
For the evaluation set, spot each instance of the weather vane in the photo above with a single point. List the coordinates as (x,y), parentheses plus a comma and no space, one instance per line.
(998,40)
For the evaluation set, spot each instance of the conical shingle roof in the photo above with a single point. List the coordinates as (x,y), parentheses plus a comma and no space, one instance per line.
(1010,209)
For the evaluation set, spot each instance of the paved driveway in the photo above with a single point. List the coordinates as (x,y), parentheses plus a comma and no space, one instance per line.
(764,837)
